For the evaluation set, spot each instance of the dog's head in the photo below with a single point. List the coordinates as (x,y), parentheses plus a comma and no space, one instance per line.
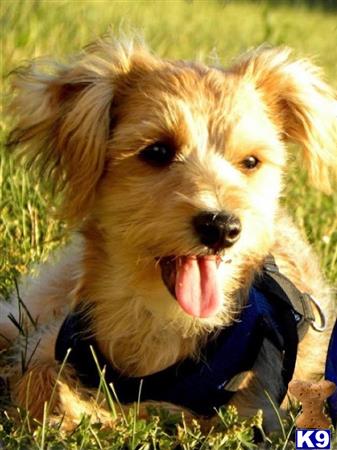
(173,169)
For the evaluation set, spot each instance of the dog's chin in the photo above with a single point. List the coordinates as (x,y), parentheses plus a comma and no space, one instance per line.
(195,282)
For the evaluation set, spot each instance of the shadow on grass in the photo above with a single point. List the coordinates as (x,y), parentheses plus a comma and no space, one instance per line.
(325,5)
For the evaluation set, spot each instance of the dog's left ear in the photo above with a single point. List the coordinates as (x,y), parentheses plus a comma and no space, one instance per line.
(63,114)
(301,104)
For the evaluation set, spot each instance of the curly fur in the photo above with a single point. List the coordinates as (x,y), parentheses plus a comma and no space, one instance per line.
(83,123)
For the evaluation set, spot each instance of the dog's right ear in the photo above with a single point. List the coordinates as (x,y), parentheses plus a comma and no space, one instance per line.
(63,117)
(301,104)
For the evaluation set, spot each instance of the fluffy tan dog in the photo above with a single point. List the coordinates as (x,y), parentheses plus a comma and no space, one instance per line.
(171,173)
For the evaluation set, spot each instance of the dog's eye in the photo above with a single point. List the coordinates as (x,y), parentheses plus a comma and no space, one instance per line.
(159,154)
(251,162)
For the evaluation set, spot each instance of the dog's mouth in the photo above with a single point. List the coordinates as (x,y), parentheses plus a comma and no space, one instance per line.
(195,282)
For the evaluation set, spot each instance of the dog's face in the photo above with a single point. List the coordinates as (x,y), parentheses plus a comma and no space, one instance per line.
(190,186)
(176,168)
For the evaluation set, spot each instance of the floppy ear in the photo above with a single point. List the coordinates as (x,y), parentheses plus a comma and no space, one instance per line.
(63,118)
(300,103)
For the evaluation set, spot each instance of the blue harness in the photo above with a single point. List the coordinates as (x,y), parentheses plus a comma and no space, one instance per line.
(275,310)
(331,373)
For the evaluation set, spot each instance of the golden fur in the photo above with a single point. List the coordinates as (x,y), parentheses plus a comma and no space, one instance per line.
(83,125)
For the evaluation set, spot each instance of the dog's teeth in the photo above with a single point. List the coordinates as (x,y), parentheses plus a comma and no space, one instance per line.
(222,259)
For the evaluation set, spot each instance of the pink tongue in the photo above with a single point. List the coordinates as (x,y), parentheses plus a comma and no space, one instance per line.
(198,286)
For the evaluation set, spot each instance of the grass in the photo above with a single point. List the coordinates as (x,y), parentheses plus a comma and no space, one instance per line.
(177,29)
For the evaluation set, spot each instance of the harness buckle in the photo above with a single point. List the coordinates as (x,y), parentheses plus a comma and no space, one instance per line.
(303,304)
(311,318)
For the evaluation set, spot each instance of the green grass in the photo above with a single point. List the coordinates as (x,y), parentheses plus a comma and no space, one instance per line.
(177,29)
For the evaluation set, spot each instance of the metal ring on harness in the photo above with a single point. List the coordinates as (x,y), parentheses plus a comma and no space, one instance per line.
(321,314)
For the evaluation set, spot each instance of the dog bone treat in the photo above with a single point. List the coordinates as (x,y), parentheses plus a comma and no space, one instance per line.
(312,397)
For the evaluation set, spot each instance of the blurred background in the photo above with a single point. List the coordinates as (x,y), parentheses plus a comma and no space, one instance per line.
(173,28)
(206,30)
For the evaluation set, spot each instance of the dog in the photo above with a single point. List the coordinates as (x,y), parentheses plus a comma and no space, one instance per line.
(170,174)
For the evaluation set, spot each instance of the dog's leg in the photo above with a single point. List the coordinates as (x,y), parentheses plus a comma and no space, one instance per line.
(298,262)
(45,389)
(42,299)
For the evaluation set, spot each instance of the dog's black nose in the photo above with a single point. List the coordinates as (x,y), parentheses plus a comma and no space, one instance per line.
(217,230)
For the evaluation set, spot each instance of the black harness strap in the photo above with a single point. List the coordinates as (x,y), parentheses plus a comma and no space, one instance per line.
(276,284)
